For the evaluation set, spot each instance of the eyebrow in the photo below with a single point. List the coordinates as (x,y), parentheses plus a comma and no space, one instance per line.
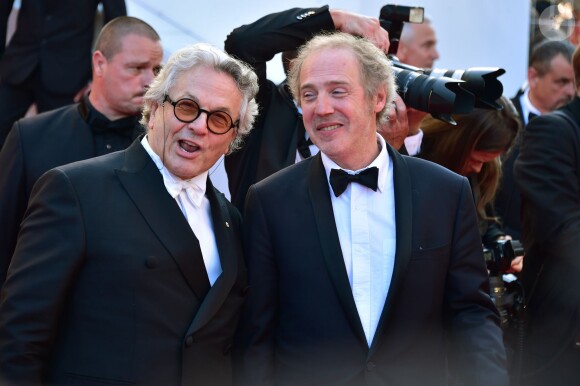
(328,83)
(196,100)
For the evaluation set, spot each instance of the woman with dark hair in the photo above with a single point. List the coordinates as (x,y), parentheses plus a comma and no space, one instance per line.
(473,149)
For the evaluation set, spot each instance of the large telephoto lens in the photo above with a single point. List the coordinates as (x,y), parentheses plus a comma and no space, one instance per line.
(439,96)
(480,81)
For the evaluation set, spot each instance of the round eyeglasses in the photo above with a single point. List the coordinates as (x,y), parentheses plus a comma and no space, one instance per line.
(187,110)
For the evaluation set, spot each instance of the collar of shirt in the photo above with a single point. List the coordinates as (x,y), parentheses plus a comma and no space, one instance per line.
(527,106)
(413,143)
(382,162)
(99,123)
(174,184)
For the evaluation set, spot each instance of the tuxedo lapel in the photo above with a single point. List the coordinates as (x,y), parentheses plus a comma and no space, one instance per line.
(227,248)
(144,184)
(319,193)
(404,223)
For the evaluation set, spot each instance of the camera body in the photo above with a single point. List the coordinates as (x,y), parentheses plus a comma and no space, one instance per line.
(499,255)
(508,297)
(438,92)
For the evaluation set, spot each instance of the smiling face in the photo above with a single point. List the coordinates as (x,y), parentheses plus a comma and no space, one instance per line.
(339,117)
(189,149)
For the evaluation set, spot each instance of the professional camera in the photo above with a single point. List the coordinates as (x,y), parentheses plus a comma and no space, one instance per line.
(508,296)
(438,92)
(499,255)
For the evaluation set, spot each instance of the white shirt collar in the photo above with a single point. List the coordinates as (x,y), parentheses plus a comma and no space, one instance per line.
(527,106)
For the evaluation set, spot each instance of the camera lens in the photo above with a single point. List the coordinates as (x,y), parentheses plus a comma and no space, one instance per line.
(440,96)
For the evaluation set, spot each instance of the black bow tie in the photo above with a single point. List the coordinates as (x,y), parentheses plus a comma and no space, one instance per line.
(339,179)
(531,115)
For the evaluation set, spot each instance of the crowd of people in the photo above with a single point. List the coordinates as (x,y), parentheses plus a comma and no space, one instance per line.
(352,249)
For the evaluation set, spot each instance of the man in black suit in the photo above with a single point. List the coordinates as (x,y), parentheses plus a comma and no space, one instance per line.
(381,282)
(48,59)
(128,268)
(417,47)
(550,86)
(279,139)
(128,54)
(547,172)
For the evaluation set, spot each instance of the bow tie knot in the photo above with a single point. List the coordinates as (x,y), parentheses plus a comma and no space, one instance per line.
(193,192)
(339,179)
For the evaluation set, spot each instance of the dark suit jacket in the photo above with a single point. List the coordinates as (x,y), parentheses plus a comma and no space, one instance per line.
(508,203)
(300,325)
(35,145)
(104,287)
(547,172)
(55,35)
(272,143)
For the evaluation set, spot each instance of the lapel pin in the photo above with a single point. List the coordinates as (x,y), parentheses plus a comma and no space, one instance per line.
(227,224)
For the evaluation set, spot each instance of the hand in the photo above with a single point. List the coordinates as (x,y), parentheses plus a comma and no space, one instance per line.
(82,92)
(396,129)
(360,25)
(517,264)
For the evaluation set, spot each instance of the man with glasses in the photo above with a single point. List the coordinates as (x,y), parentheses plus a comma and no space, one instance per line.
(127,56)
(128,267)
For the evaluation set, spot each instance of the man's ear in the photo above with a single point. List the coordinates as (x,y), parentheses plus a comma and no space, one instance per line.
(380,99)
(154,111)
(533,76)
(99,63)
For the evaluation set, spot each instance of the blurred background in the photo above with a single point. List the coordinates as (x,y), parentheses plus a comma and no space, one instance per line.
(471,33)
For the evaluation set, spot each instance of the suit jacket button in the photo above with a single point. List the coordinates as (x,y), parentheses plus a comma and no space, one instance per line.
(189,341)
(371,366)
(151,262)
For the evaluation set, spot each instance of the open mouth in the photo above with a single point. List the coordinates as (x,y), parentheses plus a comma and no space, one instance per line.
(188,146)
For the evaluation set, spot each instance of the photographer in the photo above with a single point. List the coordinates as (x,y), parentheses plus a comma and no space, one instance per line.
(279,139)
(417,47)
(473,148)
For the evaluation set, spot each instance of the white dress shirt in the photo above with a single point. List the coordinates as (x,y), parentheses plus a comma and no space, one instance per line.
(190,196)
(365,221)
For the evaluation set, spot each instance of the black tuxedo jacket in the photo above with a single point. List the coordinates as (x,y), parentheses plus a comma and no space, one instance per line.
(106,282)
(35,145)
(547,172)
(55,35)
(508,202)
(272,144)
(300,325)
